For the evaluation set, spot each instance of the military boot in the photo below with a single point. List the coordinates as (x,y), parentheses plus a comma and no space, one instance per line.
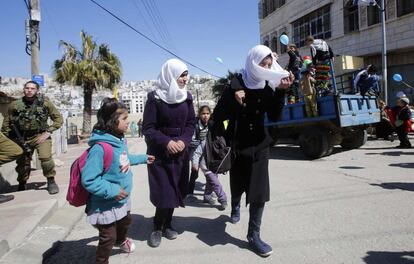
(52,187)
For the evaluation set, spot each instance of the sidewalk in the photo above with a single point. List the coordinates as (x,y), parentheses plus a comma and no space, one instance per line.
(36,213)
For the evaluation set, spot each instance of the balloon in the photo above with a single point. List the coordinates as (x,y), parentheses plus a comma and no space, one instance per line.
(219,60)
(284,39)
(397,77)
(307,58)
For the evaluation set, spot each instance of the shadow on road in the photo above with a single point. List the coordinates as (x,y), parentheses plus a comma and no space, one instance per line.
(391,153)
(351,167)
(406,186)
(77,251)
(29,186)
(406,165)
(386,257)
(210,231)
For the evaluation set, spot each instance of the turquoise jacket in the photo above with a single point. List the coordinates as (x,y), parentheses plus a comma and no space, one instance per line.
(104,187)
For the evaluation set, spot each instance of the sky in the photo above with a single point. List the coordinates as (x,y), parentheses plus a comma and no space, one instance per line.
(196,30)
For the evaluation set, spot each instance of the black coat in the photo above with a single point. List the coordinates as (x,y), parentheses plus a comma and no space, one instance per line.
(249,137)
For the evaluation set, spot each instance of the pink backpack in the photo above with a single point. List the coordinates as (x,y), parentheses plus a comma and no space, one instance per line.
(77,195)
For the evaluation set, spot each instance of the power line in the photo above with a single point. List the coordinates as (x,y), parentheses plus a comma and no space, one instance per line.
(155,21)
(143,17)
(149,39)
(158,16)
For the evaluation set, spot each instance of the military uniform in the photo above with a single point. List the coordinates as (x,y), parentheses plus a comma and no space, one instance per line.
(30,118)
(9,150)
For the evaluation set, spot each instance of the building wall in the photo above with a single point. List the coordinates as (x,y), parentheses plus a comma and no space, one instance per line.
(365,42)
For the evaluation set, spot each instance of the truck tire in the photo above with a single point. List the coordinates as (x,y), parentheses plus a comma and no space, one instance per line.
(316,142)
(354,139)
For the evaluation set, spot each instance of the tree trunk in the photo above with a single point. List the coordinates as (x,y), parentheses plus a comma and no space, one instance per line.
(87,111)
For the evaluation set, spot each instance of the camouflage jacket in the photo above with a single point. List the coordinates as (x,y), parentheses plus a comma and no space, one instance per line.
(30,121)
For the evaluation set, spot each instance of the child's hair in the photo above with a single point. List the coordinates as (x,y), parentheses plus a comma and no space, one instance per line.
(201,109)
(108,115)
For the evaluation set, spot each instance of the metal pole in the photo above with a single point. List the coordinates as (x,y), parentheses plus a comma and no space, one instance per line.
(384,53)
(34,35)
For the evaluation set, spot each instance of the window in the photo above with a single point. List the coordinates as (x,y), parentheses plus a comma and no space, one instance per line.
(268,6)
(273,44)
(404,7)
(374,15)
(266,43)
(351,19)
(317,24)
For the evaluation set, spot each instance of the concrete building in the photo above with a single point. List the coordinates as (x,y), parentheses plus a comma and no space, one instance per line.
(350,30)
(134,100)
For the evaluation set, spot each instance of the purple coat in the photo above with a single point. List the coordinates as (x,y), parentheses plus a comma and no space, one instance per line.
(168,176)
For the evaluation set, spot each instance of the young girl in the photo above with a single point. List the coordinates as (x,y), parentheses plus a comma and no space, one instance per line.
(168,125)
(199,135)
(198,161)
(109,205)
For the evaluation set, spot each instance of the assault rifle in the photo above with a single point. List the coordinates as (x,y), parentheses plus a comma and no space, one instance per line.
(22,143)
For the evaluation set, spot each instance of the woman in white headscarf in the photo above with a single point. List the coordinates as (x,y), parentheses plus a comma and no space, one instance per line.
(258,90)
(168,125)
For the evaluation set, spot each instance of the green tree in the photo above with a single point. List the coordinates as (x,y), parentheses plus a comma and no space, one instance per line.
(92,67)
(221,83)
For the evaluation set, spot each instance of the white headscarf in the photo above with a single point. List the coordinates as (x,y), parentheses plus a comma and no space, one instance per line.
(167,86)
(255,76)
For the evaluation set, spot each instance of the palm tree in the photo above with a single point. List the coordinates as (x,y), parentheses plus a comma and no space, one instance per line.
(93,67)
(221,84)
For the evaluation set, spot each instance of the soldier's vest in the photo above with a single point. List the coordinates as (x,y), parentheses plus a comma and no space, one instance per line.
(28,120)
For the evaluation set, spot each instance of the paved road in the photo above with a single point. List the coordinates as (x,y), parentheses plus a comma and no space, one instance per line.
(351,207)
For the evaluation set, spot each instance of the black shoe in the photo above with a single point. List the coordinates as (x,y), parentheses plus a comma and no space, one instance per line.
(235,214)
(155,238)
(170,233)
(52,187)
(6,198)
(22,186)
(258,246)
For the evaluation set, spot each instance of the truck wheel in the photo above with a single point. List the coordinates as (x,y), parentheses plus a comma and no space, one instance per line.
(354,139)
(315,142)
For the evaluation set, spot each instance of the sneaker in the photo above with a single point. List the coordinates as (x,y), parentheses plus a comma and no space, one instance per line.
(391,138)
(258,246)
(223,206)
(127,246)
(170,233)
(210,200)
(155,238)
(52,187)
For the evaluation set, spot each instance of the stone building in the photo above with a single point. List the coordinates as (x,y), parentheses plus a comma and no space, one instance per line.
(350,30)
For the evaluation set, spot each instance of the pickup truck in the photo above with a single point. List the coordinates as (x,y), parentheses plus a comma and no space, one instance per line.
(343,119)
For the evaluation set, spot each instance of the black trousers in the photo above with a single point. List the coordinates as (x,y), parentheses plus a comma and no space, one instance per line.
(402,135)
(163,218)
(109,235)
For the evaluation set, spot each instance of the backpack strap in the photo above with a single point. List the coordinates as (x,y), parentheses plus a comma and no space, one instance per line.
(108,154)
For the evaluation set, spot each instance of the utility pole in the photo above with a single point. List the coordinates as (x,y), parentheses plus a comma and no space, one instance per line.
(34,24)
(384,53)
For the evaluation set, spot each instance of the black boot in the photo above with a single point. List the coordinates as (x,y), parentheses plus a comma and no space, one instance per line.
(22,186)
(235,211)
(52,187)
(253,235)
(6,198)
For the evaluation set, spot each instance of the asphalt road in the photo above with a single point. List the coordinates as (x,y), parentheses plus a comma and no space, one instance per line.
(351,207)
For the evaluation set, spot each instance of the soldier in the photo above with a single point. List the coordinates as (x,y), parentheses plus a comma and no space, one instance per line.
(9,151)
(26,123)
